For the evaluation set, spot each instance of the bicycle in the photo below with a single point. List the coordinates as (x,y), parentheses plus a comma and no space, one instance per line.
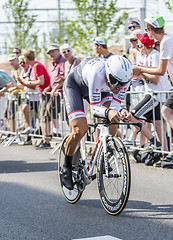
(113,174)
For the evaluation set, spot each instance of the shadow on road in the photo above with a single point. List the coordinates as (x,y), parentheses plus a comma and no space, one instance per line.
(22,166)
(49,216)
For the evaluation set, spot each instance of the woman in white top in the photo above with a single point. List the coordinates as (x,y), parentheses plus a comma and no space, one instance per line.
(72,61)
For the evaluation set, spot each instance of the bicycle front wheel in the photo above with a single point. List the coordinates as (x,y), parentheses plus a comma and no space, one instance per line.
(72,196)
(114,188)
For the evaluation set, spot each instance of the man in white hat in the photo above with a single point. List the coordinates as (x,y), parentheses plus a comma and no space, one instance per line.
(100,46)
(57,78)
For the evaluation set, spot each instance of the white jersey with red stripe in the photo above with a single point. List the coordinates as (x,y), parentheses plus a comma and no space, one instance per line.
(93,75)
(88,80)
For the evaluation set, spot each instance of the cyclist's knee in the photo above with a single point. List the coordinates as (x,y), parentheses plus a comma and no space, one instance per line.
(79,132)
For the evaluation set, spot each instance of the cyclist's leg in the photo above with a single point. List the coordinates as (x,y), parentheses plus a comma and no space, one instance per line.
(79,128)
(77,118)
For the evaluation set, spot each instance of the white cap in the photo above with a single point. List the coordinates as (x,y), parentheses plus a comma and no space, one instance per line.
(133,34)
(134,19)
(100,40)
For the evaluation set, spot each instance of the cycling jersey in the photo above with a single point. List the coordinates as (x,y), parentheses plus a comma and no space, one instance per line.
(87,80)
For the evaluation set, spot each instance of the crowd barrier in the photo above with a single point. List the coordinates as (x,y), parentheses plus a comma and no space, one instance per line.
(57,124)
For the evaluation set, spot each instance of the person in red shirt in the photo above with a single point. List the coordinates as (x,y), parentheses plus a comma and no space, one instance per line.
(42,82)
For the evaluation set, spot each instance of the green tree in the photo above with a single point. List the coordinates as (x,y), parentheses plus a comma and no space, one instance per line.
(169,4)
(22,24)
(95,17)
(58,32)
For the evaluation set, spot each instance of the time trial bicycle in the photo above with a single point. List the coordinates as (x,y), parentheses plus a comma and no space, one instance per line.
(112,169)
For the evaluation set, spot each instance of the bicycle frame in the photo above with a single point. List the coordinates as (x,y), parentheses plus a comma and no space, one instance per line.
(104,133)
(89,167)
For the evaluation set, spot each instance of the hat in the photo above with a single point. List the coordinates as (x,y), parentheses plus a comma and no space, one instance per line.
(145,40)
(53,46)
(134,19)
(155,21)
(100,40)
(65,46)
(21,57)
(133,34)
(12,56)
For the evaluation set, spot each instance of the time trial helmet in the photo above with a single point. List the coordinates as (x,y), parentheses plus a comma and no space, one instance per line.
(118,70)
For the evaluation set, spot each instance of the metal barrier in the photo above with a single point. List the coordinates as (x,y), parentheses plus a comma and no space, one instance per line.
(56,120)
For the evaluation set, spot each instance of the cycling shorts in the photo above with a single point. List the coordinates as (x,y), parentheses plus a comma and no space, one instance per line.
(169,101)
(75,91)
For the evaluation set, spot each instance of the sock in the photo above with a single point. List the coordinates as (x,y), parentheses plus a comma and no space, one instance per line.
(68,161)
(56,130)
(157,143)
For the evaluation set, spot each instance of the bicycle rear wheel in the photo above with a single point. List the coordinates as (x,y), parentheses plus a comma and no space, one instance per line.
(114,189)
(72,196)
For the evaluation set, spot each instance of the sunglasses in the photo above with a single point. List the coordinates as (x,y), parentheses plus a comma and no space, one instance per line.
(16,52)
(133,26)
(147,29)
(140,45)
(22,62)
(133,40)
(157,44)
(115,82)
(66,51)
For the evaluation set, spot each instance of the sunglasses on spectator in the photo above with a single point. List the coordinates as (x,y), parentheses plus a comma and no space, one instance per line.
(147,29)
(133,26)
(133,40)
(157,44)
(66,51)
(139,45)
(16,52)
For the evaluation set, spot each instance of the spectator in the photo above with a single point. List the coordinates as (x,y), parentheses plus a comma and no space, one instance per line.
(71,60)
(5,79)
(137,85)
(155,29)
(157,45)
(42,82)
(150,104)
(100,46)
(10,109)
(17,51)
(133,24)
(31,99)
(56,83)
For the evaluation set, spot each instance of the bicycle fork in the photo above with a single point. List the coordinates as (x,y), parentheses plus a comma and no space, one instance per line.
(113,157)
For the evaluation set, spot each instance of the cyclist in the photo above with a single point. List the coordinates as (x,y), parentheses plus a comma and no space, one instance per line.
(94,79)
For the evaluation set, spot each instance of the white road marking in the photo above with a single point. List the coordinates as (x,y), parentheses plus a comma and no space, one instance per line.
(108,237)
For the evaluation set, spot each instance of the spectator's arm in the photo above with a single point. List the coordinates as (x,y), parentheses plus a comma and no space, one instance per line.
(152,78)
(159,71)
(3,90)
(32,84)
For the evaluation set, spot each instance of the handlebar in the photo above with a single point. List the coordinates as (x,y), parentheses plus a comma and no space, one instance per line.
(95,125)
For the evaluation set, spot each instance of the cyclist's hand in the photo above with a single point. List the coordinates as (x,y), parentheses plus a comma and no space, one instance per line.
(125,115)
(114,116)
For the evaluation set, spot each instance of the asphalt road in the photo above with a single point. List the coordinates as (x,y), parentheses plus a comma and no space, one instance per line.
(32,206)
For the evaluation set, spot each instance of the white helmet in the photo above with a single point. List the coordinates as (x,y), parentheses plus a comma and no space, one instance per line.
(118,70)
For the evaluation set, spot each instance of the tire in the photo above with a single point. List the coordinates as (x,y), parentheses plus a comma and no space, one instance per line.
(72,196)
(114,191)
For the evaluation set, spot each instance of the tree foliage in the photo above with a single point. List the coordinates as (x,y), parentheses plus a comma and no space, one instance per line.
(21,24)
(169,4)
(94,18)
(58,33)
